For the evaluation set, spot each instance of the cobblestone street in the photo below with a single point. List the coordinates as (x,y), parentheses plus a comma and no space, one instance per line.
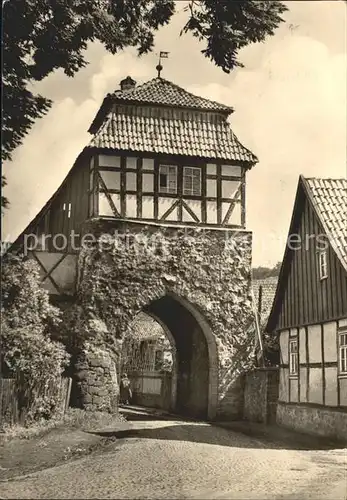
(180,459)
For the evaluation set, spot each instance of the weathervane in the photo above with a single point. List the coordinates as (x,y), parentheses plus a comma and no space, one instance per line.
(159,67)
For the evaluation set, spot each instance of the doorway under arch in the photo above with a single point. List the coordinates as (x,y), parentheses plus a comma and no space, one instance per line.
(194,375)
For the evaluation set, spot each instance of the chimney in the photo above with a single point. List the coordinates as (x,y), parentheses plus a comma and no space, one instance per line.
(127,84)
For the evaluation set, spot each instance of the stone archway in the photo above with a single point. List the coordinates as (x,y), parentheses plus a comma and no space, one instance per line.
(198,285)
(195,378)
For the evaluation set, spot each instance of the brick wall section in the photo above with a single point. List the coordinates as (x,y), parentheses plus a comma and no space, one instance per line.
(260,395)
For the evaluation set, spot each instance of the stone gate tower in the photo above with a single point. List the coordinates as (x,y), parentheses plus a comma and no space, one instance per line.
(162,186)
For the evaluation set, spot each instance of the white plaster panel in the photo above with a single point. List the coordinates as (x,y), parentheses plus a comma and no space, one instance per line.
(131,205)
(109,161)
(48,259)
(173,216)
(211,169)
(211,212)
(131,162)
(235,217)
(284,336)
(116,201)
(343,391)
(148,183)
(147,207)
(342,323)
(211,188)
(294,392)
(229,188)
(131,181)
(314,343)
(195,207)
(48,285)
(111,179)
(293,332)
(148,163)
(302,345)
(315,386)
(303,385)
(104,206)
(164,204)
(225,208)
(331,386)
(283,385)
(231,170)
(65,274)
(330,346)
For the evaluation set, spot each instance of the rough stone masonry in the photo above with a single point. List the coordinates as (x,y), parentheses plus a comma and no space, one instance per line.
(135,268)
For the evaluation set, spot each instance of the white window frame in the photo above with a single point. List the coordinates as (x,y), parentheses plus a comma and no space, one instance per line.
(342,347)
(187,173)
(293,357)
(171,187)
(323,264)
(67,207)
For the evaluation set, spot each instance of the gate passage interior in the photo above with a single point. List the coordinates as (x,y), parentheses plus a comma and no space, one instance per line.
(167,358)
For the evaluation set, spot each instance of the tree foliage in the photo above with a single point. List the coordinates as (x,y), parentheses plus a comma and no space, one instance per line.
(266,272)
(27,321)
(41,36)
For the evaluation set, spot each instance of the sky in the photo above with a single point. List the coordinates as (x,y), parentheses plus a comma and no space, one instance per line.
(290,110)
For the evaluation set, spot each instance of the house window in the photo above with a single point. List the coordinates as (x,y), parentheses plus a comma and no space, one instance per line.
(168,179)
(343,352)
(67,207)
(192,181)
(293,357)
(323,265)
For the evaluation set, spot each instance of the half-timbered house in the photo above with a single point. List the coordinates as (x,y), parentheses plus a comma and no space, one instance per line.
(310,311)
(159,154)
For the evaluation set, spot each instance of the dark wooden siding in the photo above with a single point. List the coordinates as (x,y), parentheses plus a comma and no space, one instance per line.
(306,299)
(54,219)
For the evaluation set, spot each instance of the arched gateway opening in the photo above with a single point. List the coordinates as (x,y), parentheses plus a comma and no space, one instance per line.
(190,387)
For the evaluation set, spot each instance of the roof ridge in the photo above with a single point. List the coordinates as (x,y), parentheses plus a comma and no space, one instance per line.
(131,94)
(324,178)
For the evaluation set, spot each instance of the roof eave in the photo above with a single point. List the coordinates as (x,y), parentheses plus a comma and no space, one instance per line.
(272,319)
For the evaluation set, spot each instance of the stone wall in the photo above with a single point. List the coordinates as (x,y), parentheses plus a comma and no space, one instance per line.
(208,269)
(261,395)
(331,423)
(96,387)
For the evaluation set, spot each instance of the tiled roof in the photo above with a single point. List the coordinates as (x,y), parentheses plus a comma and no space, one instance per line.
(329,198)
(162,92)
(269,286)
(191,135)
(145,328)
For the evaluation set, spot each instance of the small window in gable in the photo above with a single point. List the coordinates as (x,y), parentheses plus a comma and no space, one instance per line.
(192,181)
(293,357)
(168,179)
(323,264)
(67,208)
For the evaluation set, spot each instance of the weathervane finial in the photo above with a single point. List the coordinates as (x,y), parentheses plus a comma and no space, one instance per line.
(159,67)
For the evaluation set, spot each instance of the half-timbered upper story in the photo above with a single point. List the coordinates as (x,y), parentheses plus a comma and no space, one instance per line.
(158,154)
(312,286)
